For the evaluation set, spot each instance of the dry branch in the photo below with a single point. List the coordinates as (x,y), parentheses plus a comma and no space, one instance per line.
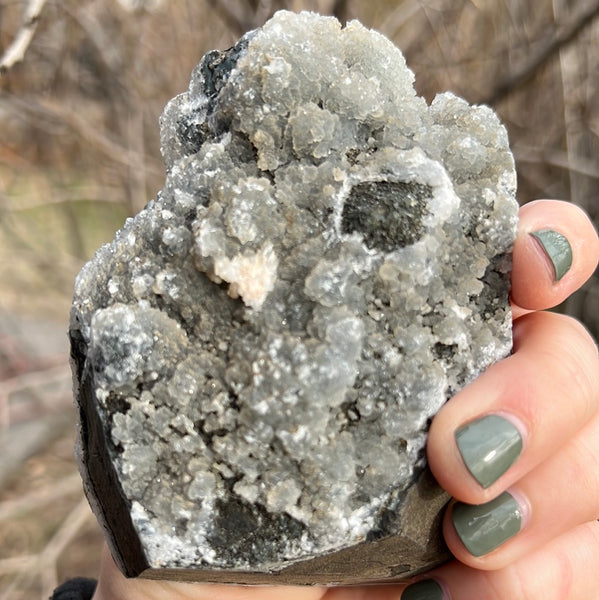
(48,558)
(16,51)
(231,16)
(38,498)
(84,129)
(43,566)
(17,563)
(21,442)
(242,16)
(341,10)
(397,18)
(555,42)
(558,158)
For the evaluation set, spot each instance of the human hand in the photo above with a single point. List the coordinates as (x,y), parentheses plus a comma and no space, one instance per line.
(548,389)
(546,395)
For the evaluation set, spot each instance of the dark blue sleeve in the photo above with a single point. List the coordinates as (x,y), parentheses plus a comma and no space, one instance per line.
(79,588)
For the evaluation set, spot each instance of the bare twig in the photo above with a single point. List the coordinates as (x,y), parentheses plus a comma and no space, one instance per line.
(40,387)
(16,51)
(230,16)
(38,498)
(241,17)
(56,546)
(36,379)
(17,563)
(557,158)
(84,129)
(401,15)
(84,193)
(24,566)
(43,565)
(137,173)
(108,52)
(558,40)
(340,10)
(19,443)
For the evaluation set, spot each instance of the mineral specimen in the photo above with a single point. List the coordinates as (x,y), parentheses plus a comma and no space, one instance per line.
(259,352)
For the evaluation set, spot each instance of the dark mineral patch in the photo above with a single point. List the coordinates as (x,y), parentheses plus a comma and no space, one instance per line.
(388,214)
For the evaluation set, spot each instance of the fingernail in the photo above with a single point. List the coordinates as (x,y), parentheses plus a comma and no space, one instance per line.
(484,527)
(557,248)
(428,589)
(489,447)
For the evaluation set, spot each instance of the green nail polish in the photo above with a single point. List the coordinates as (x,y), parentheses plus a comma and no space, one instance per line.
(485,527)
(427,589)
(489,447)
(557,248)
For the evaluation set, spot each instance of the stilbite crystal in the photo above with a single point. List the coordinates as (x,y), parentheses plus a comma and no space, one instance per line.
(258,353)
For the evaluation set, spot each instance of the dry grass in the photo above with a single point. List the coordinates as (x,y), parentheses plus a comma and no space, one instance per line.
(79,151)
(47,531)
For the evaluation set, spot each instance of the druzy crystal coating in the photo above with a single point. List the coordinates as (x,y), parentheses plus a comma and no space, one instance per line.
(327,263)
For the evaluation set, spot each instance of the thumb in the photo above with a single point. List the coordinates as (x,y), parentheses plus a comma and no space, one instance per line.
(555,252)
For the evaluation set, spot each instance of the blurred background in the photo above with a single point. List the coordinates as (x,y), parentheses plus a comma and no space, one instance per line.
(82,85)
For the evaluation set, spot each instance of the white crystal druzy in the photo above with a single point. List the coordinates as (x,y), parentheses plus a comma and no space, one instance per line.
(327,264)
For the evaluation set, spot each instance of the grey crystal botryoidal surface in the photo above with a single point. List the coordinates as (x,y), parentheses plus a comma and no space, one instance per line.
(259,352)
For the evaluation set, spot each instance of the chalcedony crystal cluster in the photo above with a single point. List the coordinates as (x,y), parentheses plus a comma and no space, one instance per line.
(259,352)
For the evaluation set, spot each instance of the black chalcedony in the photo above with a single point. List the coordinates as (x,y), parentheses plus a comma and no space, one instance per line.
(195,128)
(388,214)
(251,531)
(193,131)
(216,66)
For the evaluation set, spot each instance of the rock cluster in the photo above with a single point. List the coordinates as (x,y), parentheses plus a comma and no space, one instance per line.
(258,353)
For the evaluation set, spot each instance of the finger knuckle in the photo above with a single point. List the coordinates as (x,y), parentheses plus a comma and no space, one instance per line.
(573,356)
(586,470)
(557,583)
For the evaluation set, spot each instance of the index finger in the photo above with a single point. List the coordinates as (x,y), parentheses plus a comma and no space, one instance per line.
(555,252)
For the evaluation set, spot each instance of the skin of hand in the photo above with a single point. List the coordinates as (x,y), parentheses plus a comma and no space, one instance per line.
(548,390)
